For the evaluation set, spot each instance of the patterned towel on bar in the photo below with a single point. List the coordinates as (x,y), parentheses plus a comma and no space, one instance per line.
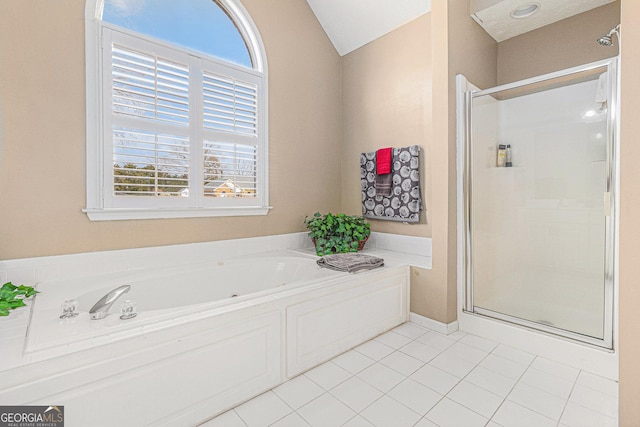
(405,201)
(350,262)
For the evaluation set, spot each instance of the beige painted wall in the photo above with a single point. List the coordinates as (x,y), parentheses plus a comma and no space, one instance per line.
(558,46)
(460,46)
(629,298)
(387,102)
(390,89)
(42,133)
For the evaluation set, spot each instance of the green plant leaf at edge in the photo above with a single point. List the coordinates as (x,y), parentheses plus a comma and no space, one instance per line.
(11,297)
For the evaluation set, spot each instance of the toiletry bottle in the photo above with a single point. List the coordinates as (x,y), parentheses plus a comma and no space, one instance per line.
(508,156)
(501,155)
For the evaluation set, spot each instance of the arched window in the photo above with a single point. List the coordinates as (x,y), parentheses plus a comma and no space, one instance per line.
(176,110)
(200,25)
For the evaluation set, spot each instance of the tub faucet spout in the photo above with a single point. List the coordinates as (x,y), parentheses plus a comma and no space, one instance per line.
(101,308)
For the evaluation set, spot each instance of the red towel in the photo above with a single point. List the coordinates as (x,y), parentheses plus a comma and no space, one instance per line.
(383,161)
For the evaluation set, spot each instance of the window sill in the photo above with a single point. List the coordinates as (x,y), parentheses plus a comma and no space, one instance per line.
(165,213)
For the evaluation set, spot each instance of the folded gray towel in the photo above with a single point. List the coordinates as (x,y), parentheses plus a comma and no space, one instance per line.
(350,262)
(383,184)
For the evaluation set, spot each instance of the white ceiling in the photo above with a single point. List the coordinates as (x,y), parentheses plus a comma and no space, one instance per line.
(495,15)
(351,24)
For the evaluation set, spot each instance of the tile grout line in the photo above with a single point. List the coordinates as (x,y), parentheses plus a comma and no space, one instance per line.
(408,376)
(512,387)
(355,375)
(283,401)
(413,337)
(575,384)
(424,417)
(489,391)
(435,367)
(238,415)
(359,413)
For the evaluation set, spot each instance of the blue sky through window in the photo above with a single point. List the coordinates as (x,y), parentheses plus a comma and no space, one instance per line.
(197,24)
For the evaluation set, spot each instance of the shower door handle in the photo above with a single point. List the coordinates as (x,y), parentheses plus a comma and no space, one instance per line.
(607,203)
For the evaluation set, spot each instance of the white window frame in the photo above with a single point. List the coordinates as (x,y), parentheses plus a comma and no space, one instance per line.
(99,165)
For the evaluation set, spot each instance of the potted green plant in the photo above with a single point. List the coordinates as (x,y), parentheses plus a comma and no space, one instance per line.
(339,233)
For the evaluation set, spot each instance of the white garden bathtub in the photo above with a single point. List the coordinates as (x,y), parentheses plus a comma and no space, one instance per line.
(195,350)
(161,297)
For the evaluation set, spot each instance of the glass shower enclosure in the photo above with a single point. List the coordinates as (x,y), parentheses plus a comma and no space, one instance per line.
(539,197)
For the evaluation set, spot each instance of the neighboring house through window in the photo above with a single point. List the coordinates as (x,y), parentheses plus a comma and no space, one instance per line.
(176,110)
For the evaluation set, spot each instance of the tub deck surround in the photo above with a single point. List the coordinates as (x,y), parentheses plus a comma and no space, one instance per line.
(218,353)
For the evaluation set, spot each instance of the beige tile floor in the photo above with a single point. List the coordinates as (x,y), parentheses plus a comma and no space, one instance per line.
(412,376)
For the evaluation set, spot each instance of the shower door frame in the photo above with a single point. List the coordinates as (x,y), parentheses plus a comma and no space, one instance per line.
(610,203)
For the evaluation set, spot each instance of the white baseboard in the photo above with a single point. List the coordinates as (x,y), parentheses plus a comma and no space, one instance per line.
(443,328)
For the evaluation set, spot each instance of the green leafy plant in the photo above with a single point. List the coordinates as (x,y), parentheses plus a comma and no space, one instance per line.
(339,233)
(12,297)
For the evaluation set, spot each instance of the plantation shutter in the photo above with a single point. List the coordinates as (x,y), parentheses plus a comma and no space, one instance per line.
(149,87)
(183,130)
(230,122)
(229,105)
(150,148)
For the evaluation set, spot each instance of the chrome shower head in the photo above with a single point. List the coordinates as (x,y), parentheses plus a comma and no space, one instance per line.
(605,41)
(608,39)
